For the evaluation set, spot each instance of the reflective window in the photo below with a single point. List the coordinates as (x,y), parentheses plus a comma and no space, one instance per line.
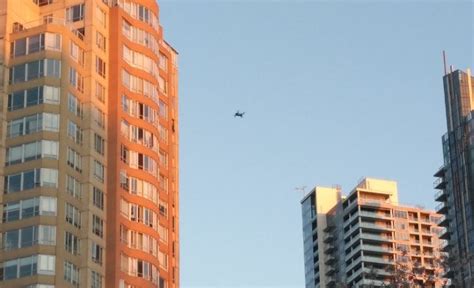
(33,96)
(31,207)
(34,70)
(31,151)
(33,123)
(41,177)
(75,13)
(32,44)
(28,266)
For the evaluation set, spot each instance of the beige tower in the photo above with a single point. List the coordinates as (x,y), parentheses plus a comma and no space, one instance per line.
(367,238)
(89,142)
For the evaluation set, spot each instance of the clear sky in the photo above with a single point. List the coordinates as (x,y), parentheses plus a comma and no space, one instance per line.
(332,90)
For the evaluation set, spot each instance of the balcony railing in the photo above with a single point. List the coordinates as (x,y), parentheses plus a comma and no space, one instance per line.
(378,226)
(374,215)
(441,208)
(377,248)
(439,183)
(49,21)
(441,195)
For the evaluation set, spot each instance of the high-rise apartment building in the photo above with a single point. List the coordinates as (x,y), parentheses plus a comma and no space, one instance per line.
(88,145)
(366,239)
(455,179)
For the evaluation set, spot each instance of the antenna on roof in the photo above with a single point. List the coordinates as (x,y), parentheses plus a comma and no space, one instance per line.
(301,189)
(444,62)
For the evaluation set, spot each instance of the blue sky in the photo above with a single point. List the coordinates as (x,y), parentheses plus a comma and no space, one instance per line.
(333,91)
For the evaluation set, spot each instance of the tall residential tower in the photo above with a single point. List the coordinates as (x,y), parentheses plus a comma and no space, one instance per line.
(456,177)
(88,145)
(368,240)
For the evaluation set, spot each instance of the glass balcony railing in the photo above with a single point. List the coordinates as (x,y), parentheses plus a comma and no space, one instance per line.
(439,183)
(378,226)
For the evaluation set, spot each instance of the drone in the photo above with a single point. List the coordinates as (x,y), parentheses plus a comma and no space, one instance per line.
(239,114)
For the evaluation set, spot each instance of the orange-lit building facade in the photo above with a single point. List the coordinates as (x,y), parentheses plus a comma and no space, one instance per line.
(367,239)
(89,145)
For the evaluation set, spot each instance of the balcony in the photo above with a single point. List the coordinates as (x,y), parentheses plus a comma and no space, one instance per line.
(328,238)
(329,228)
(445,234)
(446,246)
(329,248)
(376,237)
(378,272)
(374,214)
(441,171)
(331,271)
(440,183)
(352,229)
(427,243)
(49,21)
(441,208)
(330,260)
(441,196)
(376,248)
(443,221)
(378,226)
(378,260)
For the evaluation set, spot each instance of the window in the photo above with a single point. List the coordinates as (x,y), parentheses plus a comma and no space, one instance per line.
(163,84)
(163,110)
(33,123)
(41,177)
(71,273)
(163,259)
(400,214)
(75,13)
(76,53)
(74,132)
(31,207)
(99,144)
(163,62)
(100,41)
(32,44)
(139,268)
(99,171)
(97,226)
(48,19)
(98,198)
(163,183)
(74,159)
(34,70)
(76,79)
(29,236)
(163,209)
(162,283)
(163,133)
(74,105)
(97,253)
(96,280)
(139,60)
(100,16)
(73,215)
(42,2)
(100,66)
(163,158)
(139,12)
(100,92)
(28,266)
(163,232)
(72,243)
(31,151)
(98,116)
(73,187)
